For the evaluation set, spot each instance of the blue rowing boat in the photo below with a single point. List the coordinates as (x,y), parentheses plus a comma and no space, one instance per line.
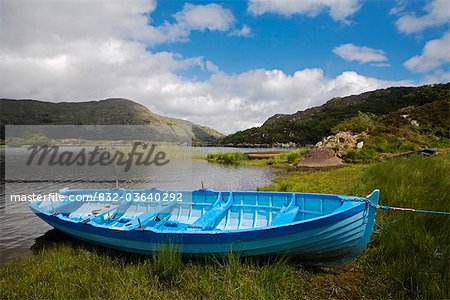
(319,229)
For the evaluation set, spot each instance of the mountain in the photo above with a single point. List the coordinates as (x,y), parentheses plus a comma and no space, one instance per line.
(310,125)
(116,111)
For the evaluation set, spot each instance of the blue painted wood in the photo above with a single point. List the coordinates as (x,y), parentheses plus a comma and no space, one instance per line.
(320,229)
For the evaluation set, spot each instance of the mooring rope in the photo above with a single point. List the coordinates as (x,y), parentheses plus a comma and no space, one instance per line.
(422,211)
(403,209)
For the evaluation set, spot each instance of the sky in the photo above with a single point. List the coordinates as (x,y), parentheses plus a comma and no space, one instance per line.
(228,65)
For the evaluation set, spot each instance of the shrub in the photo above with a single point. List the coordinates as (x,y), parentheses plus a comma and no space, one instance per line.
(357,124)
(292,157)
(15,142)
(360,156)
(227,157)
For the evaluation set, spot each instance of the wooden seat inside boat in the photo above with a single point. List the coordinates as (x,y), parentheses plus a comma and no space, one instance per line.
(208,220)
(92,209)
(101,210)
(287,214)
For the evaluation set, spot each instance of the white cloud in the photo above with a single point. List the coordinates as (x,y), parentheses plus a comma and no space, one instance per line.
(396,10)
(437,13)
(57,59)
(360,54)
(244,31)
(43,23)
(211,67)
(225,102)
(212,17)
(202,17)
(438,77)
(381,65)
(435,54)
(235,102)
(339,9)
(71,20)
(400,6)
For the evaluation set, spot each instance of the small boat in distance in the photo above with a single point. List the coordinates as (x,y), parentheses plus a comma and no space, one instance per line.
(319,229)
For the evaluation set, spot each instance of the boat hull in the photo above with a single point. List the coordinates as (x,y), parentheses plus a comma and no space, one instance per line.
(334,240)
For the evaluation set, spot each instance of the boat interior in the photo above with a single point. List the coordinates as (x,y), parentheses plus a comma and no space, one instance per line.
(199,210)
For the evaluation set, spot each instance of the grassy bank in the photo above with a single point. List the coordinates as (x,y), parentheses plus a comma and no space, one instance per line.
(408,258)
(240,158)
(69,271)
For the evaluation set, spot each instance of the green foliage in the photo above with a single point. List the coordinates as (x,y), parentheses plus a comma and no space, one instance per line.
(357,124)
(167,264)
(38,140)
(394,133)
(31,140)
(227,157)
(388,143)
(283,187)
(337,181)
(289,157)
(410,258)
(242,158)
(15,142)
(360,156)
(73,272)
(293,157)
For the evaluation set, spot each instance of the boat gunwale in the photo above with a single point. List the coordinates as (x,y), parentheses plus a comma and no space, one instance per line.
(344,207)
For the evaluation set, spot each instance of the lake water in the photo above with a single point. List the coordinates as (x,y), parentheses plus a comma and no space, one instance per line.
(21,230)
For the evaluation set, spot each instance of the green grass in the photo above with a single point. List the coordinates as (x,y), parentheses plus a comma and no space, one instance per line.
(342,180)
(408,258)
(167,264)
(69,271)
(227,157)
(240,158)
(356,156)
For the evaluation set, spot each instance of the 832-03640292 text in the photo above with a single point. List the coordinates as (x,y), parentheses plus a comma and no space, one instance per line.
(101,196)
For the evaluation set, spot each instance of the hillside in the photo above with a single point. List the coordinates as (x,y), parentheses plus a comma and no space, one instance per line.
(115,111)
(309,126)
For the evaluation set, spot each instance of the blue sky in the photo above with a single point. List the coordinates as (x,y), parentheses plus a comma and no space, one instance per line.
(226,64)
(290,43)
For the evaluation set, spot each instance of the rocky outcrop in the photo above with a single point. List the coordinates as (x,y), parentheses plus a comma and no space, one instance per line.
(321,157)
(343,141)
